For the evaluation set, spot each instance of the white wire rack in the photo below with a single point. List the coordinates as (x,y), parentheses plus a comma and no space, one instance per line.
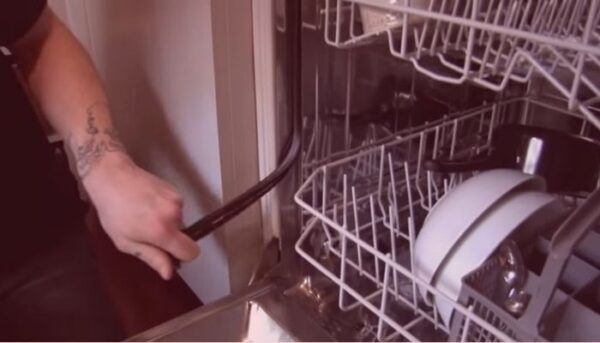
(362,212)
(485,42)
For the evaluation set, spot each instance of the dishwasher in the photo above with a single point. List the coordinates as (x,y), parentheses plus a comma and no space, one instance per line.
(439,177)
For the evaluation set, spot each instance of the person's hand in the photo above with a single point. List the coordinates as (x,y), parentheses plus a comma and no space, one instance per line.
(140,213)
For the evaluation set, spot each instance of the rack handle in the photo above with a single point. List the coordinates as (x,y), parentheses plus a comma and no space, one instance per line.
(478,162)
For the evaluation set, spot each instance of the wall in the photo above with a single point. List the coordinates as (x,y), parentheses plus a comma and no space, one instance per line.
(156,59)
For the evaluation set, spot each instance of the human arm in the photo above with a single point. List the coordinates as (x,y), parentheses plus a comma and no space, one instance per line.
(140,213)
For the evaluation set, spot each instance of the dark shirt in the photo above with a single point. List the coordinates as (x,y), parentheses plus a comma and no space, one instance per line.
(36,204)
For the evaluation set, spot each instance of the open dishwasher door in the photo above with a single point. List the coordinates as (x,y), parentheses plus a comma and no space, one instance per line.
(260,313)
(270,309)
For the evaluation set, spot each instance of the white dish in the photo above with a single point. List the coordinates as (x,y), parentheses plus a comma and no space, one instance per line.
(458,210)
(530,208)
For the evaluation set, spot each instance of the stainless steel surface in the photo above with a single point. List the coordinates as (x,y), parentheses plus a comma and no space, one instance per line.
(517,301)
(514,277)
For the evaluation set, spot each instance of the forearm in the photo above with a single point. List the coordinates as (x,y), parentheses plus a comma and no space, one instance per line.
(67,89)
(140,212)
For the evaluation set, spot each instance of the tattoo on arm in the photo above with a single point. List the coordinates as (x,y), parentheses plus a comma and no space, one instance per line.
(97,143)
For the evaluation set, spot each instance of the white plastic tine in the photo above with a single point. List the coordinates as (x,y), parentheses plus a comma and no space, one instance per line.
(509,19)
(417,41)
(448,35)
(488,47)
(418,172)
(345,203)
(574,16)
(454,133)
(351,27)
(429,190)
(466,327)
(394,197)
(374,233)
(390,200)
(335,214)
(491,5)
(327,23)
(461,28)
(586,37)
(438,25)
(325,190)
(492,123)
(404,40)
(411,210)
(380,184)
(356,231)
(436,142)
(550,19)
(349,85)
(393,245)
(537,21)
(384,295)
(424,31)
(411,245)
(590,84)
(338,21)
(560,18)
(311,144)
(343,264)
(317,125)
(481,122)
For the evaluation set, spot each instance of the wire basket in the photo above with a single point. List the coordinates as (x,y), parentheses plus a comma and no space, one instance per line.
(478,288)
(362,213)
(488,43)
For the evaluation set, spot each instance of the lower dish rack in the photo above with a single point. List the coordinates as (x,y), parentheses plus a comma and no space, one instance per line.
(361,215)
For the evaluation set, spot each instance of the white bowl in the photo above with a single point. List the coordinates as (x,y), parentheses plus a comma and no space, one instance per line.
(458,210)
(519,211)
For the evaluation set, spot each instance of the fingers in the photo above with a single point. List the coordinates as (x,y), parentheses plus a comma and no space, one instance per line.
(182,247)
(142,214)
(176,243)
(165,233)
(152,256)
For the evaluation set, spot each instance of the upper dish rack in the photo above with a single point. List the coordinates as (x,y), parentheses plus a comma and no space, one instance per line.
(485,42)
